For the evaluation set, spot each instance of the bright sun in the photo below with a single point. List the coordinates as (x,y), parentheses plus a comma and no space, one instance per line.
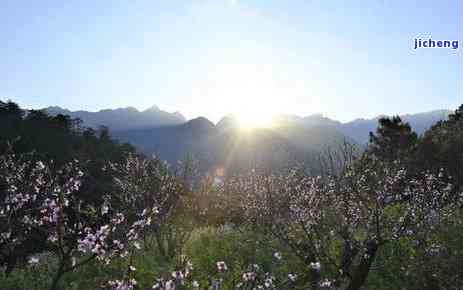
(254,120)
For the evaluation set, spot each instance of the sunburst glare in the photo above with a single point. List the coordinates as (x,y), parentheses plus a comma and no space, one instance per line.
(248,120)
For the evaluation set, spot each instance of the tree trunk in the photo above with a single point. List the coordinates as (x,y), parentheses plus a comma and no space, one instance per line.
(315,278)
(57,277)
(430,281)
(361,272)
(160,243)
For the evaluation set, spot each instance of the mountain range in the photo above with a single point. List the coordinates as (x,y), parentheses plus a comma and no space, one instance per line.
(225,145)
(123,118)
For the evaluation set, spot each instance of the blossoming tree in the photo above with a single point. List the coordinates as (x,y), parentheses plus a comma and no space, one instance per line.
(43,210)
(337,224)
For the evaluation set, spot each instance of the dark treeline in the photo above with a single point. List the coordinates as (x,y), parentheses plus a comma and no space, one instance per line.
(440,147)
(55,137)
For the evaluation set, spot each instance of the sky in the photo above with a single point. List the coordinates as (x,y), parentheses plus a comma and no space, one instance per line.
(344,59)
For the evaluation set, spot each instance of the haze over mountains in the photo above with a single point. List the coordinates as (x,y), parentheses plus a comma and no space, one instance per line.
(129,118)
(291,139)
(123,118)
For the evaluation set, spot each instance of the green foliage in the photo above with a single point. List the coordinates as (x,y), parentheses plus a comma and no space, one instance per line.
(393,140)
(240,249)
(441,147)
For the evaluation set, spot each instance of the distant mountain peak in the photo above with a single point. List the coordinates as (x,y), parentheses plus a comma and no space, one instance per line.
(202,121)
(129,109)
(153,108)
(316,115)
(228,122)
(319,119)
(358,129)
(123,109)
(54,108)
(120,119)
